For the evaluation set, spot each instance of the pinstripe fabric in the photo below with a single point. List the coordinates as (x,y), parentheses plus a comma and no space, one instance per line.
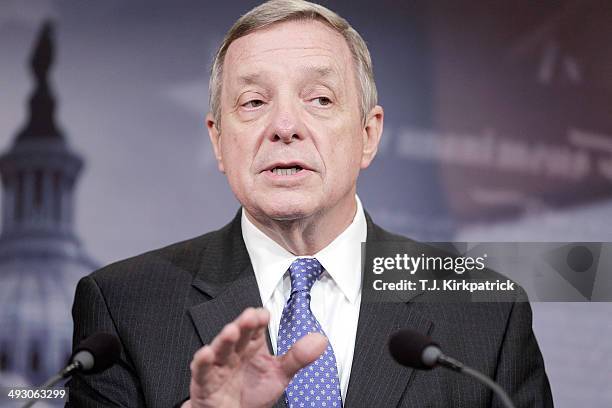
(165,304)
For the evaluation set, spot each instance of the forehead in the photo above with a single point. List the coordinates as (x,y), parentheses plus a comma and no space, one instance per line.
(288,45)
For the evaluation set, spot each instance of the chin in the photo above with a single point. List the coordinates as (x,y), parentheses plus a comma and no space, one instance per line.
(287,209)
(289,213)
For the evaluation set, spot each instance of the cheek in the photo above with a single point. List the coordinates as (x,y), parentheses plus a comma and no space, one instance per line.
(236,159)
(343,160)
(347,150)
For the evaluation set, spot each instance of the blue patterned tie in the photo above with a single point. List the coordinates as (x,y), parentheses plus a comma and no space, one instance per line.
(316,385)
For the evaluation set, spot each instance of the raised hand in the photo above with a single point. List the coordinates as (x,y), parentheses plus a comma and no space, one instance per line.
(236,370)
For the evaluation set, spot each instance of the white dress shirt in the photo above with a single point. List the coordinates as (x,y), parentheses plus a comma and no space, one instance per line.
(335,297)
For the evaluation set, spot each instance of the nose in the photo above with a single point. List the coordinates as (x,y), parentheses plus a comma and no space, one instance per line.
(286,124)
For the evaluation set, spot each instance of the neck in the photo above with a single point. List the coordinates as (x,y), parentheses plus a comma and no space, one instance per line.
(307,236)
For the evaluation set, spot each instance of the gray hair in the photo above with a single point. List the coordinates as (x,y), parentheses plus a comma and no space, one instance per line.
(278,11)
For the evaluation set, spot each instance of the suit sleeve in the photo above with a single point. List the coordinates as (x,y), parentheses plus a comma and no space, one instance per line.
(116,387)
(520,369)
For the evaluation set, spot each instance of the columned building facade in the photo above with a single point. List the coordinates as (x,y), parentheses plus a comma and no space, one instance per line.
(41,258)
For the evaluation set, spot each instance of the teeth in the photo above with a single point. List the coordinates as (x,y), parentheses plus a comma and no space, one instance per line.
(285,172)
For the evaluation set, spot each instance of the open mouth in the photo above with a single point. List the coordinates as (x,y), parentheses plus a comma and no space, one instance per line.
(286,171)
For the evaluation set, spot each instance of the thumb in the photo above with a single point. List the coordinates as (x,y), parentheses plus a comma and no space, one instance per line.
(305,351)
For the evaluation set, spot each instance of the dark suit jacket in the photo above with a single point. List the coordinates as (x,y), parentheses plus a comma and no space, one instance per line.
(165,304)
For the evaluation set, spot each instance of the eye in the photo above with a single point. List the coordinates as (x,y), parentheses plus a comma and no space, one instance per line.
(253,103)
(323,101)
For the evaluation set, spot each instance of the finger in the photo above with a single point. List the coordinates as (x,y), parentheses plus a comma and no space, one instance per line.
(263,317)
(223,346)
(248,323)
(219,351)
(202,362)
(305,351)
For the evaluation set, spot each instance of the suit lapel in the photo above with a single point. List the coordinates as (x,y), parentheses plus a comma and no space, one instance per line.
(209,317)
(376,379)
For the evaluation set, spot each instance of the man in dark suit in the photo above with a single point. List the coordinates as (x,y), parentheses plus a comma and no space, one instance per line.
(267,311)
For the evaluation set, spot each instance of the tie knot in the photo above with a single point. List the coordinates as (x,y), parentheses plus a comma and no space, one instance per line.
(303,273)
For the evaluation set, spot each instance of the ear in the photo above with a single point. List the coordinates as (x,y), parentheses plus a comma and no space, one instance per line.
(372,133)
(215,139)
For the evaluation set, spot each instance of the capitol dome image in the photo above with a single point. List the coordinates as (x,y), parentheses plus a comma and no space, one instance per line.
(41,258)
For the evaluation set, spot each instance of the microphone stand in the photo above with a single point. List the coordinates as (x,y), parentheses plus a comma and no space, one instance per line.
(64,373)
(459,367)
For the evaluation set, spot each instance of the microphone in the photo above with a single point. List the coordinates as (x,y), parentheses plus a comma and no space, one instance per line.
(93,355)
(96,353)
(412,349)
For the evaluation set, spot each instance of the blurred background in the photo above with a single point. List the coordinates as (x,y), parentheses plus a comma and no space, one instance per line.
(498,127)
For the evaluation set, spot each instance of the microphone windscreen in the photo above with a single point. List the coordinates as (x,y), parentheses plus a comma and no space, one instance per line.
(407,346)
(105,349)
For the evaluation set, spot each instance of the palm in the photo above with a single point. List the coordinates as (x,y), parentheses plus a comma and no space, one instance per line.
(238,371)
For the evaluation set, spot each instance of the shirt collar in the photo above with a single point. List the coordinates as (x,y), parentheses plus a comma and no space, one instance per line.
(341,258)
